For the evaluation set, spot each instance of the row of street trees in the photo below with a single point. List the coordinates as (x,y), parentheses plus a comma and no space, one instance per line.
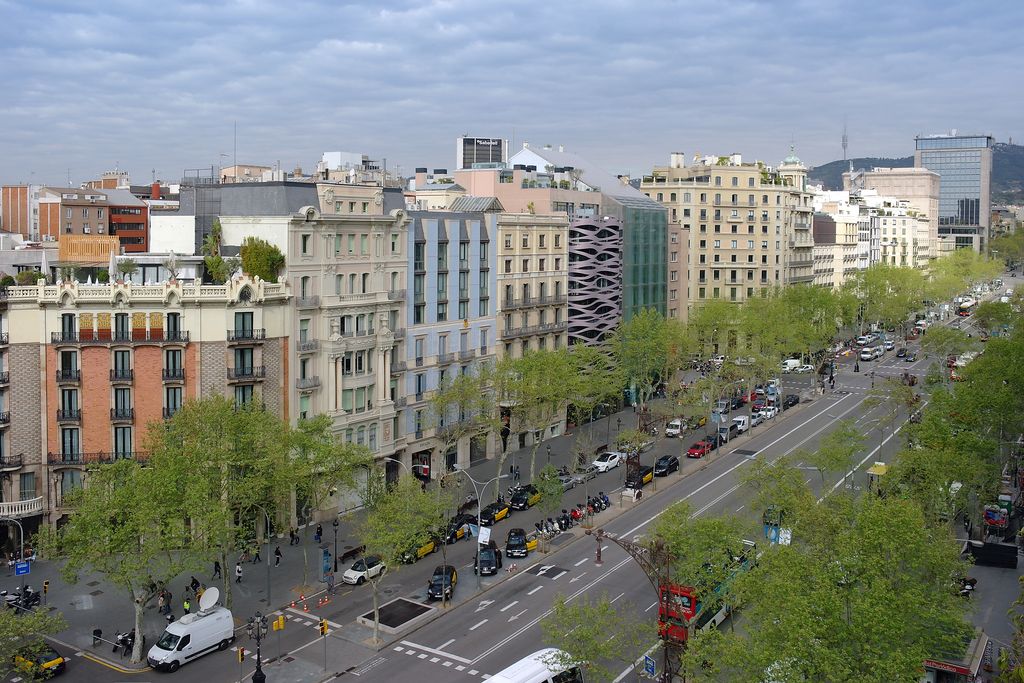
(214,474)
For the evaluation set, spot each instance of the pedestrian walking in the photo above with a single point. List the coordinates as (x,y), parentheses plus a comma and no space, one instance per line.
(516,476)
(256,556)
(319,533)
(293,536)
(277,556)
(238,572)
(330,583)
(186,605)
(216,570)
(160,603)
(167,601)
(194,584)
(832,381)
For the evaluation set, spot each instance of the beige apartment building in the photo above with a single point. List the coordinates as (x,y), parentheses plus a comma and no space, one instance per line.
(678,257)
(533,275)
(749,225)
(918,186)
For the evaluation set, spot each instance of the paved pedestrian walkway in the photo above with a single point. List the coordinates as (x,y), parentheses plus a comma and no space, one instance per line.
(93,603)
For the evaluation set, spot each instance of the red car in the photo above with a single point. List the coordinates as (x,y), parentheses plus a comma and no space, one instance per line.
(698,450)
(758,405)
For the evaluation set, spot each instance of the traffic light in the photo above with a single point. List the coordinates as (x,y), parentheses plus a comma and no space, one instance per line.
(46,587)
(279,623)
(241,655)
(323,627)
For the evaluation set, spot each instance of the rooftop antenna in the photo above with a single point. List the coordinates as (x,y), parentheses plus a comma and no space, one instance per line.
(846,140)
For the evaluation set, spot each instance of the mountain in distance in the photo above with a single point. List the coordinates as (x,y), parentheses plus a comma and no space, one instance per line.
(1007,171)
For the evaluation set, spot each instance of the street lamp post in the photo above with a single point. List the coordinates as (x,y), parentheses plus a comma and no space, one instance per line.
(256,627)
(548,448)
(478,488)
(335,525)
(21,555)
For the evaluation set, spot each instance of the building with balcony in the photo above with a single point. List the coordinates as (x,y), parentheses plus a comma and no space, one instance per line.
(91,366)
(749,225)
(450,318)
(918,186)
(346,253)
(532,282)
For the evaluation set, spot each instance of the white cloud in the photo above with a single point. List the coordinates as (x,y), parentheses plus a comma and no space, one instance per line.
(624,83)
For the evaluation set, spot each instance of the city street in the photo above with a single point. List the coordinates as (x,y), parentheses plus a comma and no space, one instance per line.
(485,631)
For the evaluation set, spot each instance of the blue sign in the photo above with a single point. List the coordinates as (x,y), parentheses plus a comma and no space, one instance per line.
(327,562)
(21,568)
(649,667)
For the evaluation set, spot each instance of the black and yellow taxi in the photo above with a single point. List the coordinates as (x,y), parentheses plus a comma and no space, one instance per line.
(420,550)
(525,497)
(495,512)
(39,660)
(458,527)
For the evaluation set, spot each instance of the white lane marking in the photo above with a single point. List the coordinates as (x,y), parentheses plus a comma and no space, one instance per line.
(653,605)
(459,667)
(477,625)
(430,650)
(536,620)
(473,672)
(509,605)
(559,574)
(729,471)
(422,656)
(446,644)
(516,616)
(577,578)
(617,597)
(740,508)
(397,648)
(585,559)
(435,660)
(534,590)
(306,615)
(446,664)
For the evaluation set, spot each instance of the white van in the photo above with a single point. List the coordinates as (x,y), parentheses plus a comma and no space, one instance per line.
(790,364)
(742,423)
(211,628)
(538,668)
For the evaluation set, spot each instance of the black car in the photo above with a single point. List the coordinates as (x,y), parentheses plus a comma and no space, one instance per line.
(515,544)
(737,402)
(488,559)
(442,582)
(911,357)
(790,400)
(525,497)
(457,528)
(715,440)
(901,352)
(495,512)
(665,465)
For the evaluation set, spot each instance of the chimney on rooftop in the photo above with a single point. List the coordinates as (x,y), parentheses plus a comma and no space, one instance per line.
(421,177)
(677,159)
(154,191)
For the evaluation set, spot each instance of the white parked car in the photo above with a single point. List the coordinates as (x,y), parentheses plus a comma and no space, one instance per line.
(867,353)
(362,570)
(768,412)
(804,369)
(862,340)
(608,460)
(756,419)
(674,428)
(889,344)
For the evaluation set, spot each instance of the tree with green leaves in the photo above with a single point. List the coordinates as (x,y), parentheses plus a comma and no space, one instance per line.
(232,467)
(550,488)
(640,349)
(888,294)
(25,629)
(400,521)
(261,259)
(462,408)
(592,634)
(837,450)
(28,278)
(865,592)
(126,528)
(994,316)
(537,392)
(595,381)
(218,268)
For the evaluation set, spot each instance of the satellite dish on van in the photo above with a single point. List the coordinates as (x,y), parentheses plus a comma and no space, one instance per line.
(209,598)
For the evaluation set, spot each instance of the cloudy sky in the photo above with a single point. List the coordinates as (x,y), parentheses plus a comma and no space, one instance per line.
(88,86)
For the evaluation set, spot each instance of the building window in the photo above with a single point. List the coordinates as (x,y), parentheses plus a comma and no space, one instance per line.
(732,244)
(718,244)
(463,310)
(417,314)
(27,486)
(244,394)
(508,265)
(558,240)
(122,442)
(526,241)
(394,243)
(442,312)
(305,245)
(172,400)
(540,264)
(508,241)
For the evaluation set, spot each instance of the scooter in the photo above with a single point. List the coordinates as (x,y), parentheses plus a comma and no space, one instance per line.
(604,499)
(576,513)
(124,642)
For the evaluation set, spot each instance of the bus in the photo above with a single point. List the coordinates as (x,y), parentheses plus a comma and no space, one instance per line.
(966,306)
(681,612)
(540,667)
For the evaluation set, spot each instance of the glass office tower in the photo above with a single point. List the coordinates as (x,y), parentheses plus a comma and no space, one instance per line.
(964,164)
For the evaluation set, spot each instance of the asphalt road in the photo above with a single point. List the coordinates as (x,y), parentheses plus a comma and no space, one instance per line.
(484,632)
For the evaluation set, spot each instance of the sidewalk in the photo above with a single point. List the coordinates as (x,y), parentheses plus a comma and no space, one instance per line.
(93,603)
